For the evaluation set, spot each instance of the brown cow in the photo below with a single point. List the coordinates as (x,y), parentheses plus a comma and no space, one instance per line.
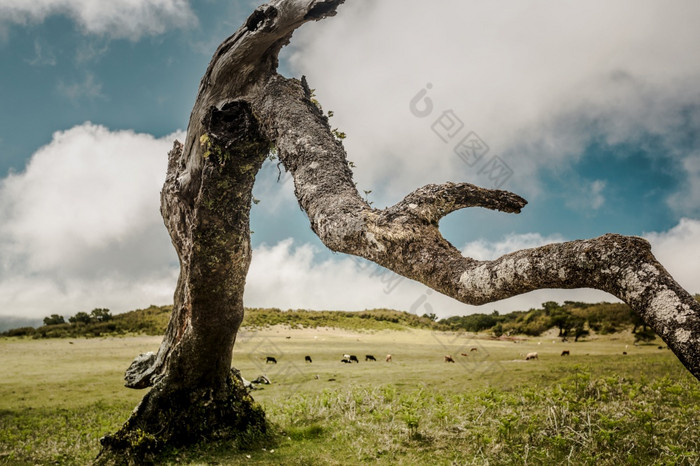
(473,348)
(448,358)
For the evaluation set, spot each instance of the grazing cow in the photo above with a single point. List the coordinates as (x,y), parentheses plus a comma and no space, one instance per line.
(448,358)
(388,358)
(270,359)
(473,348)
(353,358)
(307,358)
(464,354)
(529,356)
(369,357)
(345,360)
(565,353)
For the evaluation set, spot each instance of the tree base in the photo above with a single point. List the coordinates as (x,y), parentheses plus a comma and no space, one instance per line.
(178,417)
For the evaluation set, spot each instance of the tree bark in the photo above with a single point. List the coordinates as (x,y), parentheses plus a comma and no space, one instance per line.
(242,109)
(405,237)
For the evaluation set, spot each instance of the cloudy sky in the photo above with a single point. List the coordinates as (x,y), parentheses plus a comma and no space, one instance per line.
(590,110)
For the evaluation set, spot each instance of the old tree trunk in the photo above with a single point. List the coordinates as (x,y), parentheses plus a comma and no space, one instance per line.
(243,108)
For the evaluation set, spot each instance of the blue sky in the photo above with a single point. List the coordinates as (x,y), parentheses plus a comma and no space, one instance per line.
(589,111)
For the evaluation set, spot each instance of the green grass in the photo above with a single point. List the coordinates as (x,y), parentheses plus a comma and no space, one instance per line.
(597,406)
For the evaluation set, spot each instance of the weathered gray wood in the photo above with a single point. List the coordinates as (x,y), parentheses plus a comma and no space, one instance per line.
(405,237)
(205,203)
(221,125)
(244,107)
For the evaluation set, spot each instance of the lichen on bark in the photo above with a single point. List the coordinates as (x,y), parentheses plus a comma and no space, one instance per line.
(243,108)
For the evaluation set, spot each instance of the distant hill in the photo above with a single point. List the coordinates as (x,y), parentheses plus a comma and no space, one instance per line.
(154,320)
(375,319)
(149,321)
(573,320)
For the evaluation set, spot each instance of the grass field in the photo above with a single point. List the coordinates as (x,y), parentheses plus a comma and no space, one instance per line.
(58,397)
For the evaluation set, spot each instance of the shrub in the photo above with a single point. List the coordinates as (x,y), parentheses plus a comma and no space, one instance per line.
(645,336)
(83,317)
(19,332)
(100,315)
(54,319)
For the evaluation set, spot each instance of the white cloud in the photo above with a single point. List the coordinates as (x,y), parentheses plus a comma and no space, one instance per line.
(678,249)
(274,188)
(596,197)
(587,196)
(81,225)
(129,19)
(688,198)
(300,278)
(538,81)
(39,296)
(488,250)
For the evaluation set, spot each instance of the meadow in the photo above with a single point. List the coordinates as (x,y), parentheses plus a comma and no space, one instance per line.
(596,406)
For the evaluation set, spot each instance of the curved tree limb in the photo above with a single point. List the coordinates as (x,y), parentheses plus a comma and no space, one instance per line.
(206,198)
(242,107)
(405,237)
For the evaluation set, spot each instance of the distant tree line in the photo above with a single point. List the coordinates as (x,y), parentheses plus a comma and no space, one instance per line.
(153,321)
(573,320)
(98,322)
(96,315)
(374,319)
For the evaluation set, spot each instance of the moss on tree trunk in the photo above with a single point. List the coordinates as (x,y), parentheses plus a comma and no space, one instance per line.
(243,107)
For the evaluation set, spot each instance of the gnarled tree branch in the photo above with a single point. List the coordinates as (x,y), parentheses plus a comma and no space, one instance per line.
(405,237)
(242,108)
